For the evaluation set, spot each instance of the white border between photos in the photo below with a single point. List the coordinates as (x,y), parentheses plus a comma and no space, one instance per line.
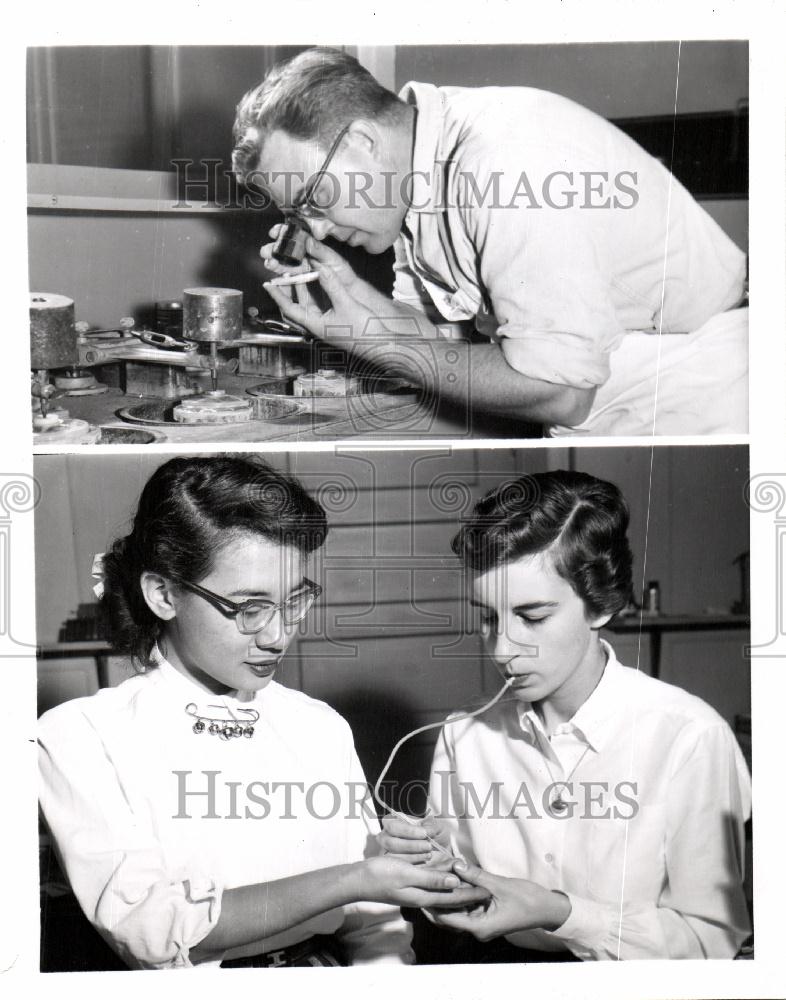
(211,22)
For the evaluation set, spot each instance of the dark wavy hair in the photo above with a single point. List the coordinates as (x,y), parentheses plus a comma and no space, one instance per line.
(189,510)
(582,521)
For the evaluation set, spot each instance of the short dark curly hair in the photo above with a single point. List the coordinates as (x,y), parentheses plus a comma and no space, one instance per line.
(582,521)
(190,508)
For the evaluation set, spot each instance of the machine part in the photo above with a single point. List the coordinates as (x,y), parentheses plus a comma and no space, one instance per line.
(267,325)
(77,382)
(163,340)
(52,331)
(266,359)
(160,412)
(169,318)
(212,315)
(327,382)
(272,386)
(169,381)
(69,431)
(118,434)
(214,407)
(290,245)
(50,420)
(41,389)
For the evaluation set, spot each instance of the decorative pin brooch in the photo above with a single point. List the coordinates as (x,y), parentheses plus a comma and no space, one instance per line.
(227,729)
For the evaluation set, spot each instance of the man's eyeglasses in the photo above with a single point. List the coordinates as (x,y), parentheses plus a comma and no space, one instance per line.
(303,205)
(254,615)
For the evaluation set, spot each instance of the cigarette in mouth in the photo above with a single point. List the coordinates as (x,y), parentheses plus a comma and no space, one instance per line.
(295,279)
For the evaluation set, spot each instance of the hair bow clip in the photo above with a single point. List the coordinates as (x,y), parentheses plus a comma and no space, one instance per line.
(97,572)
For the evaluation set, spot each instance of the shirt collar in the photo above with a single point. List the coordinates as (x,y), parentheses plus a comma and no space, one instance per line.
(178,685)
(427,168)
(591,719)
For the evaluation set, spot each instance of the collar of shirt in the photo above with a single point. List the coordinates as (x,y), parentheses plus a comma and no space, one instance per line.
(179,686)
(591,721)
(427,192)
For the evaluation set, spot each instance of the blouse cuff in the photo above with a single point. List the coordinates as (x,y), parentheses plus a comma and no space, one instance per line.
(198,919)
(586,926)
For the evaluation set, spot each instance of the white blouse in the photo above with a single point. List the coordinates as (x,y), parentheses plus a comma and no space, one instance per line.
(152,821)
(649,846)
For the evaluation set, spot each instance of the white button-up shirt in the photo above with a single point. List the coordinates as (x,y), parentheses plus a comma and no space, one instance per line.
(558,236)
(153,821)
(650,847)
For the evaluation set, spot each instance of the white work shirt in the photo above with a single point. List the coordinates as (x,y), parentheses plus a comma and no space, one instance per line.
(150,882)
(547,266)
(666,883)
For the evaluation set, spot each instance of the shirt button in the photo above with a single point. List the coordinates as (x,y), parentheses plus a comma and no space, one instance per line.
(550,858)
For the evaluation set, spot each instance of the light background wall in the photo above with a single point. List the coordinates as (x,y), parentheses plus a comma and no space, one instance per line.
(137,107)
(386,644)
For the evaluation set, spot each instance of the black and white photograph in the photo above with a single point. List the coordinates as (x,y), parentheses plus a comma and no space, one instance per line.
(231,648)
(311,243)
(393,500)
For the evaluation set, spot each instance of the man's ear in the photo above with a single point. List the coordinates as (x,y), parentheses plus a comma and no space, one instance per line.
(157,591)
(366,136)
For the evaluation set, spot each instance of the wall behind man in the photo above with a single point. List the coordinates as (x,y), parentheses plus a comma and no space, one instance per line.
(386,646)
(616,79)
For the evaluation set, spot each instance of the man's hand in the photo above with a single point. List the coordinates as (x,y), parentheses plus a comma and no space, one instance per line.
(356,307)
(515,904)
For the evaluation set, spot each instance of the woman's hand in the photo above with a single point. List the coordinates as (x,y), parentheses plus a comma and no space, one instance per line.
(410,840)
(514,904)
(389,880)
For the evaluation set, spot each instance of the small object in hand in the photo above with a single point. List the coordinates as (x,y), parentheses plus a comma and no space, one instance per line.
(303,278)
(290,246)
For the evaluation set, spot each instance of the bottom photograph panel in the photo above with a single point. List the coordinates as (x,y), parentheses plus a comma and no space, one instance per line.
(432,707)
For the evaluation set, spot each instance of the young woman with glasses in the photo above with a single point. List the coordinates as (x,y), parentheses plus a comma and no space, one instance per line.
(203,812)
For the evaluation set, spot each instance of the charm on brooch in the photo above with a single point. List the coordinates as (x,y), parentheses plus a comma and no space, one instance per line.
(225,729)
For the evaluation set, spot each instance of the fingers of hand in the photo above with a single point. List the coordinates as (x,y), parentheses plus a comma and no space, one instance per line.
(396,845)
(411,859)
(324,254)
(436,830)
(457,899)
(401,828)
(292,310)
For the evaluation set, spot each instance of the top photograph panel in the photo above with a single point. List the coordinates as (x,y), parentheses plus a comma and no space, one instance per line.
(299,244)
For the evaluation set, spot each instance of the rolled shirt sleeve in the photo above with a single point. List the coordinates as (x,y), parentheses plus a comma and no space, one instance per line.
(151,916)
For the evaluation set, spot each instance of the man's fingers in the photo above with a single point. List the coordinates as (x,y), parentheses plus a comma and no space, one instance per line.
(311,319)
(325,254)
(331,283)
